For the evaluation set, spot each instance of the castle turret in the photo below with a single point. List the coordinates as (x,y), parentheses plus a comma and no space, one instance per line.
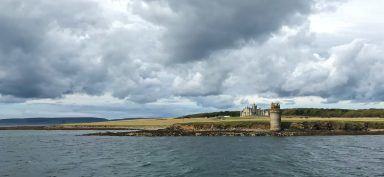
(275,116)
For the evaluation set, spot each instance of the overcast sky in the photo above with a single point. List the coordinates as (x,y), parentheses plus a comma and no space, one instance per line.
(136,58)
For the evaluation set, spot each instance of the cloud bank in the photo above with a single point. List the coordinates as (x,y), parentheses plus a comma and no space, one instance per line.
(213,53)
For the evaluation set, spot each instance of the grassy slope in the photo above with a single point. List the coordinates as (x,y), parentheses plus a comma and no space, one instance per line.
(164,122)
(232,121)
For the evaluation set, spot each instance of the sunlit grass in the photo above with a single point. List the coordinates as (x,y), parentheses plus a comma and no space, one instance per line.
(166,122)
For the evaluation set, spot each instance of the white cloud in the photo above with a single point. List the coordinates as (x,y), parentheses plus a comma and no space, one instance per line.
(352,18)
(132,55)
(80,99)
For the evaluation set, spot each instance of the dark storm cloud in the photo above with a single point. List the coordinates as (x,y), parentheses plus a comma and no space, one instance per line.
(48,49)
(196,29)
(209,52)
(39,52)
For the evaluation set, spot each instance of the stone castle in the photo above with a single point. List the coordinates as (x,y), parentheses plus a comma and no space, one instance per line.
(253,111)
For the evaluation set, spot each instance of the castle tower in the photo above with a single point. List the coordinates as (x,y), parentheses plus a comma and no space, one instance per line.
(254,109)
(275,116)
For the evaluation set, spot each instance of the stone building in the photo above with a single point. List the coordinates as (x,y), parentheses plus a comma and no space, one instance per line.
(275,116)
(253,111)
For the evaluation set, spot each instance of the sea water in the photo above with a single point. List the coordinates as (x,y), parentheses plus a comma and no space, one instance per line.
(63,153)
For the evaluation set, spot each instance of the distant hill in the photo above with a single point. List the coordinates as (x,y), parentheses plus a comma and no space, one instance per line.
(48,121)
(213,114)
(310,112)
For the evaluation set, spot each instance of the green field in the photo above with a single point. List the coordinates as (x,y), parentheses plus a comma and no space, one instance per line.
(247,122)
(163,122)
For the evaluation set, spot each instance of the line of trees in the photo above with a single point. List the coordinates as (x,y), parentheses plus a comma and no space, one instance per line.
(213,114)
(310,112)
(317,112)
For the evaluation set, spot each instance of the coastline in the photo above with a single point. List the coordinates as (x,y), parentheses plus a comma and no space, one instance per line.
(182,131)
(178,131)
(222,127)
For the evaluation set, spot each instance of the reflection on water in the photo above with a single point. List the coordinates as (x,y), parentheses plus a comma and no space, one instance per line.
(62,153)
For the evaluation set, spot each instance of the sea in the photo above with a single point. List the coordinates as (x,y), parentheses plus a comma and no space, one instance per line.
(40,153)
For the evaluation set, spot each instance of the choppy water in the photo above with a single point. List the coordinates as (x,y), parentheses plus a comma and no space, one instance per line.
(61,153)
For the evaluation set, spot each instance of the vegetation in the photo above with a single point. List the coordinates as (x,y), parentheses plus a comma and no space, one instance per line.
(138,123)
(235,122)
(295,123)
(315,112)
(310,112)
(213,114)
(163,122)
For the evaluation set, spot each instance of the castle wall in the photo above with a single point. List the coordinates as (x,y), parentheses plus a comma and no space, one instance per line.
(253,111)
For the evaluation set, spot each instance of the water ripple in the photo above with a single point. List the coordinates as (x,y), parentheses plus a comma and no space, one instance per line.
(61,153)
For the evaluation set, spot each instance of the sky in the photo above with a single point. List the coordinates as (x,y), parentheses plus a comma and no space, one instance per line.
(164,58)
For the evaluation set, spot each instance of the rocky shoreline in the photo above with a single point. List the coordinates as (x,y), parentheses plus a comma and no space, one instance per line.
(178,131)
(235,128)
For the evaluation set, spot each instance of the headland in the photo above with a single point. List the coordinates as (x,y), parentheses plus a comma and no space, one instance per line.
(258,122)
